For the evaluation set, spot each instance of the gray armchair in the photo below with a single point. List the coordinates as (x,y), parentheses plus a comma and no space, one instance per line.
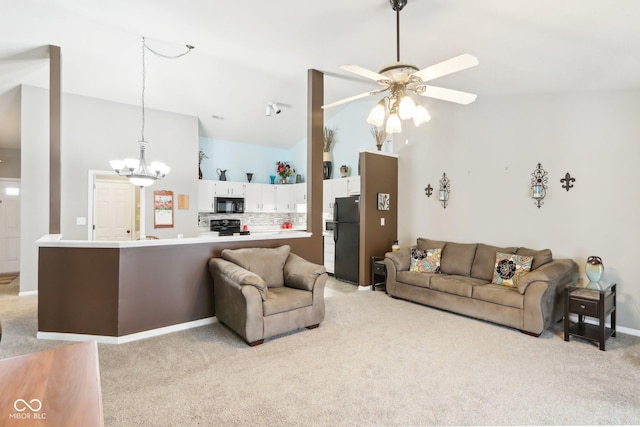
(262,292)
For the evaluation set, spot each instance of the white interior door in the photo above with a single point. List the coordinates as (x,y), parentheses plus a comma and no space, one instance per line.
(9,226)
(114,210)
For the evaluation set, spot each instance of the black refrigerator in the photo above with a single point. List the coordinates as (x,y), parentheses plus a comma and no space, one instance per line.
(346,234)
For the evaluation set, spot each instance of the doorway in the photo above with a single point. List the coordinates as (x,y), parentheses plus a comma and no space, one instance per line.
(9,225)
(114,204)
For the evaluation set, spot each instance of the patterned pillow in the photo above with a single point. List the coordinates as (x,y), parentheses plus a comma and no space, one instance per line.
(426,261)
(510,268)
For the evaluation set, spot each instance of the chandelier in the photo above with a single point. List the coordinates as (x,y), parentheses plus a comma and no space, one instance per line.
(139,173)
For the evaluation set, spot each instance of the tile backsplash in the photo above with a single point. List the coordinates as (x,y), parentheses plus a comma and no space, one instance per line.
(262,220)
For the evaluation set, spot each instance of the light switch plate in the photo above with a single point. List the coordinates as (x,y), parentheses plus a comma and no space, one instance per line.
(81,220)
(382,222)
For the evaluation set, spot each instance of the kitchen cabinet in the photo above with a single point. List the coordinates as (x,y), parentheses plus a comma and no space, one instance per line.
(341,187)
(299,197)
(353,185)
(283,198)
(206,190)
(257,197)
(260,198)
(329,252)
(229,188)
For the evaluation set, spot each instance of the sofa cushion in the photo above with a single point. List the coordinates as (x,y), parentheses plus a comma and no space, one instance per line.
(424,244)
(498,294)
(485,260)
(510,268)
(540,258)
(267,263)
(457,285)
(457,258)
(283,298)
(426,261)
(414,278)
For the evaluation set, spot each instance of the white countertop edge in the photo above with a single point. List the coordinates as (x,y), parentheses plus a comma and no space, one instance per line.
(56,241)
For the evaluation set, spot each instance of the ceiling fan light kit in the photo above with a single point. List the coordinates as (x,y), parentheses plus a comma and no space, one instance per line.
(402,81)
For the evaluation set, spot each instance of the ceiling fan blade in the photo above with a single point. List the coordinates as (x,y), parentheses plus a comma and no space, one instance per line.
(458,63)
(448,95)
(356,69)
(345,100)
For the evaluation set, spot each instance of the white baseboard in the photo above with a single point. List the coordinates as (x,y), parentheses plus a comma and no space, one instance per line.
(104,339)
(622,329)
(27,293)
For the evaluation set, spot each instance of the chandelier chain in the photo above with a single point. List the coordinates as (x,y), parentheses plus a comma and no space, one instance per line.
(145,46)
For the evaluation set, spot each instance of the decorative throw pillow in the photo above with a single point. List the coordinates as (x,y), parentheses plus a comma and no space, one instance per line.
(426,261)
(510,268)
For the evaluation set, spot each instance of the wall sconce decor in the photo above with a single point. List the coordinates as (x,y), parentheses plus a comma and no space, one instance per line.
(429,190)
(567,181)
(445,189)
(539,185)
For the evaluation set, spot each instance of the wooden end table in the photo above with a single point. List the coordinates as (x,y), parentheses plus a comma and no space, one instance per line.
(379,269)
(592,300)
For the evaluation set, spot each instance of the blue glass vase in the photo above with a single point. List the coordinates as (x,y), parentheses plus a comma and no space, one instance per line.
(594,269)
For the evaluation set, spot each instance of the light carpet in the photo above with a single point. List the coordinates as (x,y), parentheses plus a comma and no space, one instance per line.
(373,361)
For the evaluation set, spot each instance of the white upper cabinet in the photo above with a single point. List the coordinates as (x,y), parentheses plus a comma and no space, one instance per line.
(299,197)
(206,190)
(353,185)
(340,187)
(229,188)
(260,198)
(283,198)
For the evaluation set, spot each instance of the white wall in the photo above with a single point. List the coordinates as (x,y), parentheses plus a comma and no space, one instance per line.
(489,150)
(34,201)
(94,132)
(353,135)
(10,165)
(238,158)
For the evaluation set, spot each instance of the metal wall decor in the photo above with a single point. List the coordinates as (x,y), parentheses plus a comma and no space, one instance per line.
(445,189)
(539,185)
(567,181)
(429,190)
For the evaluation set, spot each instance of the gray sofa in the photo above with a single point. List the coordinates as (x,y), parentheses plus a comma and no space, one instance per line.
(262,292)
(464,284)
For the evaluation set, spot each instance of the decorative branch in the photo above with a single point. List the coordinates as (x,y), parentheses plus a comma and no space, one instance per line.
(329,137)
(380,135)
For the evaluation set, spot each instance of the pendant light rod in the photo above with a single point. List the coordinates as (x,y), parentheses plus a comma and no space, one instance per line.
(398,35)
(397,5)
(143,88)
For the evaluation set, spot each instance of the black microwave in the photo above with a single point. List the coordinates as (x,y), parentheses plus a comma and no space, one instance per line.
(229,204)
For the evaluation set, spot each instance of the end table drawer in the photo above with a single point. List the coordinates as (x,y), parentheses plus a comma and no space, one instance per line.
(379,268)
(585,307)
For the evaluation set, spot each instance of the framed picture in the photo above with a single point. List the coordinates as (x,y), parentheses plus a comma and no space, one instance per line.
(383,201)
(163,209)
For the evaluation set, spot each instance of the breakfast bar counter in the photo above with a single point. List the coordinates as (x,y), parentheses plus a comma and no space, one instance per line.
(117,292)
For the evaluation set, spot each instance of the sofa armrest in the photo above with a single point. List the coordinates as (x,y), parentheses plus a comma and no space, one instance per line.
(401,259)
(557,272)
(300,273)
(234,274)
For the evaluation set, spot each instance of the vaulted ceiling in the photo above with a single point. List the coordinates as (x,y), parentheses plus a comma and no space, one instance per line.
(250,52)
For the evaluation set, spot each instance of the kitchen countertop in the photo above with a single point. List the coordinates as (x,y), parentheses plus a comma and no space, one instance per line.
(56,240)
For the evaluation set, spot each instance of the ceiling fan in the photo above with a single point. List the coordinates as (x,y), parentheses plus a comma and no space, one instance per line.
(401,79)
